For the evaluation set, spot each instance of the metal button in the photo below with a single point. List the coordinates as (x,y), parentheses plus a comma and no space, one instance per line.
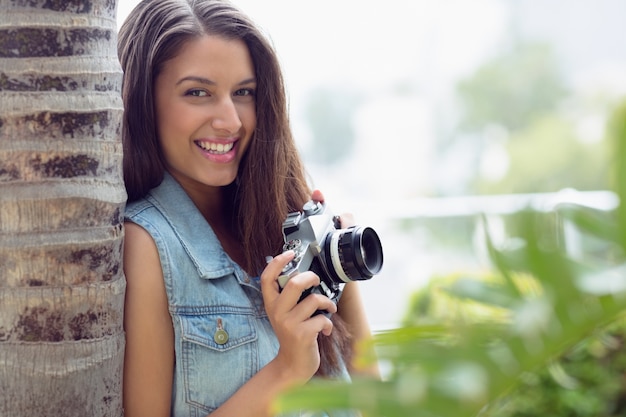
(221,335)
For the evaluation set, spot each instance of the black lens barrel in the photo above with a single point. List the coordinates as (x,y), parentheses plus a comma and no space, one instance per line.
(353,254)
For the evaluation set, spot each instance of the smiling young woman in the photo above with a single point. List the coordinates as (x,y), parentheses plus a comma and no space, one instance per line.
(211,171)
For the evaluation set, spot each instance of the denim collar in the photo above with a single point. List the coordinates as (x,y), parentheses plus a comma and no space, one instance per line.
(195,233)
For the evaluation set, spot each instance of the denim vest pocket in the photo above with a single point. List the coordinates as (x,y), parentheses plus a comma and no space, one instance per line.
(214,368)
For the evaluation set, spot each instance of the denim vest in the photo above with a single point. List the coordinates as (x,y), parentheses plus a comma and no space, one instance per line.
(222,333)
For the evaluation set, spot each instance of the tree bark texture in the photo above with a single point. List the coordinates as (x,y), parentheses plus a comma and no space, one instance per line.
(61,205)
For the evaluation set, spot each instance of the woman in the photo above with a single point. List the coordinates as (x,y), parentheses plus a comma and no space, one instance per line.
(211,172)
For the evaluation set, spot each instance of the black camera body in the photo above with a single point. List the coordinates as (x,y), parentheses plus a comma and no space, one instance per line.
(336,255)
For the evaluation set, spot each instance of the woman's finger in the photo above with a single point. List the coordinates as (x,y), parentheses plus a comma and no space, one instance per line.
(298,284)
(346,220)
(317,196)
(312,303)
(269,277)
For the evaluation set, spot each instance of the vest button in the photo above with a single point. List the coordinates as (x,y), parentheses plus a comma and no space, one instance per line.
(220,336)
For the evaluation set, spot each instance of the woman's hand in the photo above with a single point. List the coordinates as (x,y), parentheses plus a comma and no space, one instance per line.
(293,322)
(351,307)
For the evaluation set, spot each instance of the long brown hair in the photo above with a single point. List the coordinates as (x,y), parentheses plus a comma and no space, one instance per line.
(271,180)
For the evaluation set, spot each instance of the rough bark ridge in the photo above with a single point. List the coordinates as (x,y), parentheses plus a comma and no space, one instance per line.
(61,204)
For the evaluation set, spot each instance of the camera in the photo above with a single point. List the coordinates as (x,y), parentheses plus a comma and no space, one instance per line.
(336,255)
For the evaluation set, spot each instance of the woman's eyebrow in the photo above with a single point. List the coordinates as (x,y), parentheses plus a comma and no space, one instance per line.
(207,81)
(194,78)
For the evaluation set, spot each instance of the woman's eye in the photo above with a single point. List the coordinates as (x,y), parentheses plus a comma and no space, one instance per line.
(196,93)
(245,92)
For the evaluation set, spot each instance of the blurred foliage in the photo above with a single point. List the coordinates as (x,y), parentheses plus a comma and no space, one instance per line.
(523,119)
(549,156)
(616,138)
(513,90)
(436,303)
(589,380)
(556,311)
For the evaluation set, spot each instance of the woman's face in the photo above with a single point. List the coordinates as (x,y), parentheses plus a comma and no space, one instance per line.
(205,109)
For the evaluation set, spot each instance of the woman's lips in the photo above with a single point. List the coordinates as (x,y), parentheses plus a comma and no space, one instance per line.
(218,148)
(221,152)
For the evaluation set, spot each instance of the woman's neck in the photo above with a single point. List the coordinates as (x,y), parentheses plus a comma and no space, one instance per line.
(212,204)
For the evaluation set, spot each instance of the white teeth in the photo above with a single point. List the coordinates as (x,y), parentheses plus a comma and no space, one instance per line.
(218,148)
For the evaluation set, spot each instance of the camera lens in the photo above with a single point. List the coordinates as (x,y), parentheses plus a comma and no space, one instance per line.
(353,254)
(371,252)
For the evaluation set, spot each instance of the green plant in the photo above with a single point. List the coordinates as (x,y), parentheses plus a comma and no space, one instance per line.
(587,381)
(465,368)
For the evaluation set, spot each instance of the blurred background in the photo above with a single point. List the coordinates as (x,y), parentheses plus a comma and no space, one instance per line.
(417,116)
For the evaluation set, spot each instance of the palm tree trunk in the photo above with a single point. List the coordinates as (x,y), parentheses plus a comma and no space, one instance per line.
(61,204)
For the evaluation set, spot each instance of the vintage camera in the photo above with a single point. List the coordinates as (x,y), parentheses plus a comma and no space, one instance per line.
(336,255)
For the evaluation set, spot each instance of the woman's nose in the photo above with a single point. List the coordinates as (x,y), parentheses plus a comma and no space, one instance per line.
(226,117)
